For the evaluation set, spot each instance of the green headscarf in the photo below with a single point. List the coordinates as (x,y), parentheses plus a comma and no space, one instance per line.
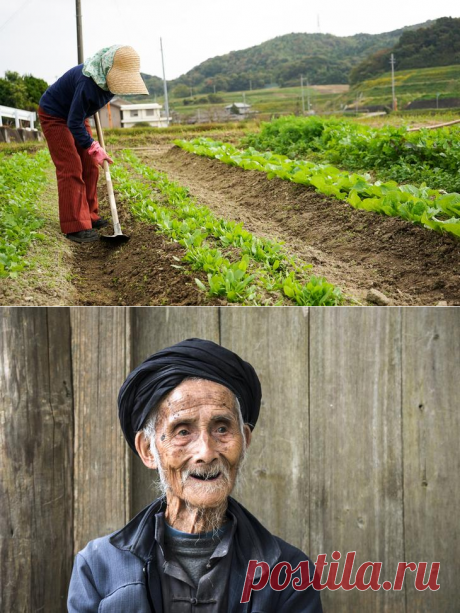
(99,64)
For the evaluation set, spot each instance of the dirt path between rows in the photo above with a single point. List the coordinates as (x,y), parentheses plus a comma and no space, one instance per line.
(145,271)
(354,249)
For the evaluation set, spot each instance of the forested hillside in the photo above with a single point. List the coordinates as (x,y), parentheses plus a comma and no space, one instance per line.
(323,58)
(436,45)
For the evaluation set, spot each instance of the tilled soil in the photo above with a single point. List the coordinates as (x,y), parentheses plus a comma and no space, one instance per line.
(354,249)
(140,272)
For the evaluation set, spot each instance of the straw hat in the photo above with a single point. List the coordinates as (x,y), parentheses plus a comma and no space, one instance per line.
(124,77)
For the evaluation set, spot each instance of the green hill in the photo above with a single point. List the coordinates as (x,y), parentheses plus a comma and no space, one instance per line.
(324,58)
(435,45)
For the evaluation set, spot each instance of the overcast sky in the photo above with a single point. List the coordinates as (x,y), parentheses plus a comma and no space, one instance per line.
(39,36)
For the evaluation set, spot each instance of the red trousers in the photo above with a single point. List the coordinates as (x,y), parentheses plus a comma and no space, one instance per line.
(77,174)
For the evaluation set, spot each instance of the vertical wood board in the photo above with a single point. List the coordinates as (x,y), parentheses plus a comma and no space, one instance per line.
(431,359)
(355,446)
(101,360)
(36,458)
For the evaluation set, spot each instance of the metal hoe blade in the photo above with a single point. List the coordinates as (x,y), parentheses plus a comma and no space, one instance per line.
(117,237)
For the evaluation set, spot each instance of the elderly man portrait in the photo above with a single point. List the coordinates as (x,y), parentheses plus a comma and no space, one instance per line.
(189,412)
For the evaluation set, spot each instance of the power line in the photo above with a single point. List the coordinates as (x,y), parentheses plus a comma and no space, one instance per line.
(5,23)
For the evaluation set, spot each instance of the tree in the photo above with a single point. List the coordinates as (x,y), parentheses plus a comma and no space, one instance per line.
(180,91)
(215,99)
(35,88)
(21,92)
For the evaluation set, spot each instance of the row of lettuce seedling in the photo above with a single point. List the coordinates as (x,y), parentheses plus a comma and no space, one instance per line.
(239,266)
(422,205)
(22,178)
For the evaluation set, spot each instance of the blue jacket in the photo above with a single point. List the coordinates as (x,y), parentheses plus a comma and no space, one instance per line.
(118,574)
(74,98)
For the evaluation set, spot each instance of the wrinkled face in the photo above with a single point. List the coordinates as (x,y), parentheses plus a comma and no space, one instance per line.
(199,442)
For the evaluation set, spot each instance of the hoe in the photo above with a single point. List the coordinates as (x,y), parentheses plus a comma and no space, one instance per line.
(117,237)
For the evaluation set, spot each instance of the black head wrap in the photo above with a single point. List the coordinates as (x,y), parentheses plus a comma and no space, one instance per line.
(165,370)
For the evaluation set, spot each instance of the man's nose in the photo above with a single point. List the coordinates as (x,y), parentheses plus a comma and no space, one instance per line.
(205,448)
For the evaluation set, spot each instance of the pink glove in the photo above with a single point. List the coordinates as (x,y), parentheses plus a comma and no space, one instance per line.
(98,154)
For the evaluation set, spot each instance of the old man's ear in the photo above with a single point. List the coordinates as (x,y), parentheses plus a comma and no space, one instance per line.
(247,435)
(144,451)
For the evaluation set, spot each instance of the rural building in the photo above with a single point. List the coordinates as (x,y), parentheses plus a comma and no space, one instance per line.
(149,112)
(112,118)
(238,108)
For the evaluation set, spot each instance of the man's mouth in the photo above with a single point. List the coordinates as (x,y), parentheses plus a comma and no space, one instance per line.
(205,477)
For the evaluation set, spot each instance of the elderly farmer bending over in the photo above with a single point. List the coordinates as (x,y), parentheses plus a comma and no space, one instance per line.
(189,412)
(64,110)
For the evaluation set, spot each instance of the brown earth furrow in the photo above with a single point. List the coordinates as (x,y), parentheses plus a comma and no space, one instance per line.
(354,249)
(145,271)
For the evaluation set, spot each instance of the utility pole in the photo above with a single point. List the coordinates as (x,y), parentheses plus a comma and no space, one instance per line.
(392,62)
(79,31)
(302,94)
(308,96)
(165,85)
(437,101)
(250,84)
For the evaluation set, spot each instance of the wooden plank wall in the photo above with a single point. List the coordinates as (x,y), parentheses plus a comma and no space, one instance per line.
(355,461)
(36,434)
(431,444)
(356,448)
(101,348)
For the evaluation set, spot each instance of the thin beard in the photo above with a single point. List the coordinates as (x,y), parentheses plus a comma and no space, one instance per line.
(209,519)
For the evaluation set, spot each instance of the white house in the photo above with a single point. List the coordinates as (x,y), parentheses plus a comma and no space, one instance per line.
(133,114)
(239,110)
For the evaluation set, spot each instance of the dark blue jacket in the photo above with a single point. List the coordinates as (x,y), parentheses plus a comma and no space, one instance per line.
(75,97)
(118,573)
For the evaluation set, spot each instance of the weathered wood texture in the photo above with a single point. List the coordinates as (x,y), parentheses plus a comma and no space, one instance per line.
(431,426)
(101,361)
(276,481)
(355,446)
(154,329)
(36,499)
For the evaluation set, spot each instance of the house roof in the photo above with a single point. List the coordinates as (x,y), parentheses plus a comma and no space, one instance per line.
(145,105)
(239,105)
(117,101)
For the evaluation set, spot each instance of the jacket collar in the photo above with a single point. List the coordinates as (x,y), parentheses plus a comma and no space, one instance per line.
(252,540)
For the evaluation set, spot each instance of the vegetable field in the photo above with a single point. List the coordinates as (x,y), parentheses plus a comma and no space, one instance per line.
(303,211)
(22,178)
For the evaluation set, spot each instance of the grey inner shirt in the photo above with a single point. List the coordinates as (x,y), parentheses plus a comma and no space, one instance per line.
(194,569)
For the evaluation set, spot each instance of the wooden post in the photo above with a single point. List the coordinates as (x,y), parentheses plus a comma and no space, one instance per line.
(109,111)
